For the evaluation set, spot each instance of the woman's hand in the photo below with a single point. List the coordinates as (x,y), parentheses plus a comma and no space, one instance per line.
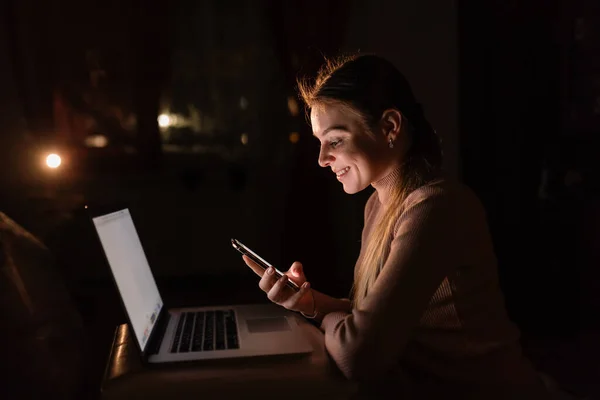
(279,293)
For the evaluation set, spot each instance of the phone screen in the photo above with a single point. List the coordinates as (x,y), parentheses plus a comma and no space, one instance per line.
(239,246)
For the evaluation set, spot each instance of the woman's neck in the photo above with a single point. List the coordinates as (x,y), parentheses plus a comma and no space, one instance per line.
(385,185)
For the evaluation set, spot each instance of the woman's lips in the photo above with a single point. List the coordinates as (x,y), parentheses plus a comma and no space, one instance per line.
(342,172)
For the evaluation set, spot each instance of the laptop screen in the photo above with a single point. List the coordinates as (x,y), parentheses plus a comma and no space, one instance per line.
(130,268)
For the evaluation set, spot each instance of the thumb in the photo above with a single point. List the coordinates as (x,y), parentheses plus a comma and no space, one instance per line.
(297,270)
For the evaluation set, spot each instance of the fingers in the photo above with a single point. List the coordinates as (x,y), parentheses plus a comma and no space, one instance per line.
(268,279)
(292,302)
(258,270)
(297,272)
(278,292)
(275,285)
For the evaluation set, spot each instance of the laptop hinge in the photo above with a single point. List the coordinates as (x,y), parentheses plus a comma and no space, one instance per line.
(158,335)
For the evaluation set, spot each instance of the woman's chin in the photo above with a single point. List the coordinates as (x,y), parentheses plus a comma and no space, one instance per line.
(352,188)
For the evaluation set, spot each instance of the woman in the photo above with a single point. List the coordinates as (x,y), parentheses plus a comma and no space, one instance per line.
(426,315)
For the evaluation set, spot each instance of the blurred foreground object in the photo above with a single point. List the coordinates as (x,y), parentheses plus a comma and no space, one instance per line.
(41,329)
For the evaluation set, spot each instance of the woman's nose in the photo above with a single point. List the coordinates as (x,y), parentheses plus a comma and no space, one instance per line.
(325,158)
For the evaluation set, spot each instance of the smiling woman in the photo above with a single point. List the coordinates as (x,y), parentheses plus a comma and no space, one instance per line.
(427,316)
(384,129)
(348,147)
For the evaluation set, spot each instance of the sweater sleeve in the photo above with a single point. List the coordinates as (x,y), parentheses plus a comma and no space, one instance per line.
(370,340)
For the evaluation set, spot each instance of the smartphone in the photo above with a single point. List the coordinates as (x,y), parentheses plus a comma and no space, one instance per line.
(261,262)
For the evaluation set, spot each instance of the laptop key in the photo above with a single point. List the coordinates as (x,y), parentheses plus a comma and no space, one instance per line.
(186,336)
(198,332)
(209,327)
(219,330)
(232,342)
(231,329)
(177,336)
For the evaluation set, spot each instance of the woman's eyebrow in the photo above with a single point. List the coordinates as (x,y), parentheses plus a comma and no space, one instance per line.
(333,128)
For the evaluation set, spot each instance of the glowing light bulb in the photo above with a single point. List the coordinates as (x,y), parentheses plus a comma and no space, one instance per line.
(164,120)
(53,160)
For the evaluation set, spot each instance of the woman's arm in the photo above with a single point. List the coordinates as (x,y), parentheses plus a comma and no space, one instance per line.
(325,304)
(370,340)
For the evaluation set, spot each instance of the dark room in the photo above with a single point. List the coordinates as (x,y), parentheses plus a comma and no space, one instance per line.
(333,199)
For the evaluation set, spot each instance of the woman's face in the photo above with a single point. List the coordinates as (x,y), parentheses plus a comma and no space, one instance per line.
(357,156)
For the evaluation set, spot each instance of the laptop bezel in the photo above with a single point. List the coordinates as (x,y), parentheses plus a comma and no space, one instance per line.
(157,332)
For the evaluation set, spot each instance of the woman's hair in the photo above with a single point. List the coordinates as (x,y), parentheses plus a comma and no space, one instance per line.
(369,85)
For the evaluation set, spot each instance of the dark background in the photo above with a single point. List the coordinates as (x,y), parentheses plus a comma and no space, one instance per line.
(513,89)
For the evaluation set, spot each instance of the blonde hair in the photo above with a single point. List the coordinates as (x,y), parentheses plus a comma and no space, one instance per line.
(368,85)
(379,241)
(309,90)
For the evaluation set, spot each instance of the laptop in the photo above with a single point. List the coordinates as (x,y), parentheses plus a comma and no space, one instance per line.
(166,335)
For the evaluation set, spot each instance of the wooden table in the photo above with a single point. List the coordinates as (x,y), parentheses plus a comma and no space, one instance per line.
(310,376)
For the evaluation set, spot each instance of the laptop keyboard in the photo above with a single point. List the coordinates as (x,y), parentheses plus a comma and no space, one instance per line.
(205,330)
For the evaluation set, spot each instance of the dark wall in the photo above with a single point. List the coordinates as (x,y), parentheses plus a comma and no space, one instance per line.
(525,155)
(421,39)
(11,119)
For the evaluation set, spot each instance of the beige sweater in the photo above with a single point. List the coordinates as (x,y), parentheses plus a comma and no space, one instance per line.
(434,321)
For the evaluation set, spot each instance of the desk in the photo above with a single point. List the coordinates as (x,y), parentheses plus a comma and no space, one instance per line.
(310,376)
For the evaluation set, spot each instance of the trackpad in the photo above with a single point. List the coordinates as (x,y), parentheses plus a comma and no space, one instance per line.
(263,325)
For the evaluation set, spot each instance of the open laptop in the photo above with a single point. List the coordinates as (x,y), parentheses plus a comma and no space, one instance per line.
(199,333)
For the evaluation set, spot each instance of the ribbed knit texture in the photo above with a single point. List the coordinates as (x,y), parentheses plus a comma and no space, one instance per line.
(435,317)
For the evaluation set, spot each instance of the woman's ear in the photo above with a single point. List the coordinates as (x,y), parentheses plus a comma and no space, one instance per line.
(391,123)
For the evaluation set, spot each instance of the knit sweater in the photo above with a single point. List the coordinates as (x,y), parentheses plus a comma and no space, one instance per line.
(435,317)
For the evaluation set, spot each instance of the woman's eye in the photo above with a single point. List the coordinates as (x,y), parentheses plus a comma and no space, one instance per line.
(335,143)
